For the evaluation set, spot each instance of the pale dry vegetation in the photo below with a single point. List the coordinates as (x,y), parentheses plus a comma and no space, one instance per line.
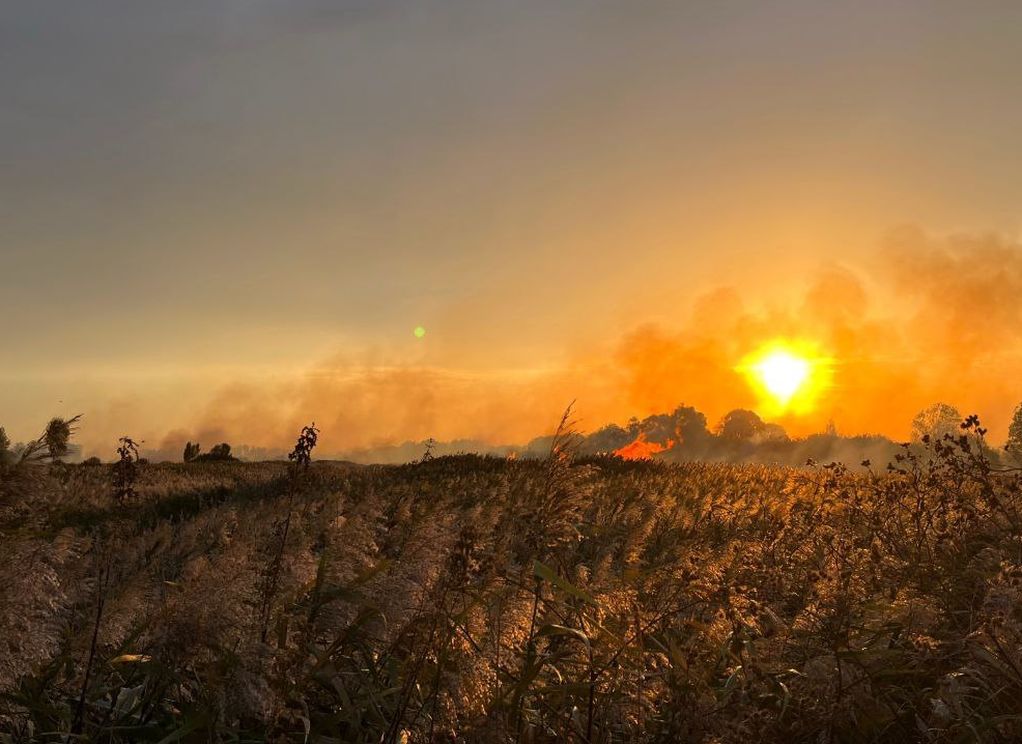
(481,599)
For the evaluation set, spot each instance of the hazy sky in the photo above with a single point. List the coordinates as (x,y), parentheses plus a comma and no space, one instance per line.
(203,203)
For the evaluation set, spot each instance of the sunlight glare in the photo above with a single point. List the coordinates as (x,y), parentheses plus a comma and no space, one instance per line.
(782,374)
(788,376)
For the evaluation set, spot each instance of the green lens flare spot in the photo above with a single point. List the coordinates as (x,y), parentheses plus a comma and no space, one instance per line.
(419,332)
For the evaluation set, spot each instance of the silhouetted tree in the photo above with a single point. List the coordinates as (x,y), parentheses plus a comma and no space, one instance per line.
(633,426)
(191,451)
(690,426)
(221,451)
(92,461)
(685,426)
(935,421)
(218,453)
(740,425)
(1014,444)
(607,439)
(661,428)
(5,446)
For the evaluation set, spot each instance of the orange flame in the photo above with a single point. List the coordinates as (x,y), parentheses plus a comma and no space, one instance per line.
(641,449)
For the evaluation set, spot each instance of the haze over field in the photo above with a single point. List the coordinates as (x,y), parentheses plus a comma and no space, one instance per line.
(225,220)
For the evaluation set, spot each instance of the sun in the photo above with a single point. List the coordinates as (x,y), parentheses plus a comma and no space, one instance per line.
(787,376)
(782,374)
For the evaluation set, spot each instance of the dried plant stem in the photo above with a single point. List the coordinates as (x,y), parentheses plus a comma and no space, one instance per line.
(101,587)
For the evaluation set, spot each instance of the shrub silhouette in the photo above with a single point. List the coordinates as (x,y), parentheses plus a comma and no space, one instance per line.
(126,470)
(219,453)
(191,451)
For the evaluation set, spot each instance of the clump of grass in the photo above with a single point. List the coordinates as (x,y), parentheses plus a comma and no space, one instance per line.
(23,480)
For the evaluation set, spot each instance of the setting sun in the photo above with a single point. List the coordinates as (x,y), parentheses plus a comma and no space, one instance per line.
(787,376)
(782,374)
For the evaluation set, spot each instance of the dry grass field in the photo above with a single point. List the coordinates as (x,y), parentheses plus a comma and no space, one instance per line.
(474,598)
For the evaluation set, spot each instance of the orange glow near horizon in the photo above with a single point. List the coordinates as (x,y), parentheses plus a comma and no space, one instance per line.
(641,449)
(788,376)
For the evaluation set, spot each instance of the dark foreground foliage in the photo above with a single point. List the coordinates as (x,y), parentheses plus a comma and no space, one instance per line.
(481,599)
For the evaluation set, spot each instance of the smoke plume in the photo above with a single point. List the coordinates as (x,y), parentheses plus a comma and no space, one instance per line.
(930,319)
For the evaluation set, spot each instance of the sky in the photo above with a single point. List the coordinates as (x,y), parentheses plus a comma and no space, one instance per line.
(226,219)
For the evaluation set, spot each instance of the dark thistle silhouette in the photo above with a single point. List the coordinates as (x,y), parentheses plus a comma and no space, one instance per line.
(126,470)
(300,458)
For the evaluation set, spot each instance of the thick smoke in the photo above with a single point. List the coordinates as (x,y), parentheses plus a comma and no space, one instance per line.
(929,320)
